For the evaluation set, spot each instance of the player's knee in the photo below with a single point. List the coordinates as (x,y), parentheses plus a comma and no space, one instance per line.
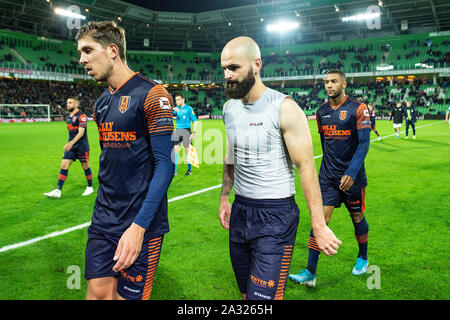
(101,290)
(357,216)
(100,294)
(65,165)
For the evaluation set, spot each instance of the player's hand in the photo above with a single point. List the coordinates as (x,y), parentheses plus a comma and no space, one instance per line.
(176,109)
(224,213)
(346,183)
(68,146)
(129,247)
(326,240)
(192,136)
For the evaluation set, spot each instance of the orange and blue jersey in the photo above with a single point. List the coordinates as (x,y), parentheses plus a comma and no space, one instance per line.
(345,136)
(135,126)
(74,122)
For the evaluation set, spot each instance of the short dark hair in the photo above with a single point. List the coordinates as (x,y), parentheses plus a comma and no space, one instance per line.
(74,98)
(180,95)
(105,33)
(336,71)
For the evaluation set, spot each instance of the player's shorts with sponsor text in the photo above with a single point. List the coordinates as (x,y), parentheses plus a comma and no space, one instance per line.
(77,154)
(182,135)
(134,283)
(353,198)
(262,237)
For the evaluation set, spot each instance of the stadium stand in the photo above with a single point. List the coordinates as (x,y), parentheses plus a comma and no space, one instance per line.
(195,73)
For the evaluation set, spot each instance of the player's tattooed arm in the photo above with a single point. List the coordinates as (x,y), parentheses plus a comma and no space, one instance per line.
(224,204)
(227,179)
(227,185)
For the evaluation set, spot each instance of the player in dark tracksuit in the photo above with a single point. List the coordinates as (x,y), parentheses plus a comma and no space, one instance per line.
(410,119)
(344,127)
(397,115)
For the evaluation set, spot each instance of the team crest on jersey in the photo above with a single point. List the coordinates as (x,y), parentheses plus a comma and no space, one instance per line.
(123,105)
(164,103)
(343,115)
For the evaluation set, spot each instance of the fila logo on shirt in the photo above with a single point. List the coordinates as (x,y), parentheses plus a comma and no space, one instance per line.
(164,103)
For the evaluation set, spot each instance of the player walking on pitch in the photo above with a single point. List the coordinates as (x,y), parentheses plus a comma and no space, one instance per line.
(267,134)
(373,120)
(397,115)
(134,119)
(76,148)
(344,128)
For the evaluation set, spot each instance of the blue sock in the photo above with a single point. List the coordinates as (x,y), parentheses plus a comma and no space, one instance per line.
(189,167)
(176,162)
(88,174)
(62,178)
(362,237)
(313,254)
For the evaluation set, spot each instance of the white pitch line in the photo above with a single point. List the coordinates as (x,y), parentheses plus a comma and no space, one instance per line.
(50,235)
(87,224)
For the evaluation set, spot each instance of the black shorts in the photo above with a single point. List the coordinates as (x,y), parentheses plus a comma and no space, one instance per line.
(77,154)
(353,197)
(182,135)
(262,237)
(134,283)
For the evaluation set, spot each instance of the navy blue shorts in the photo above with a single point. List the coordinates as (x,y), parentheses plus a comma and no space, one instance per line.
(353,198)
(262,237)
(76,154)
(134,283)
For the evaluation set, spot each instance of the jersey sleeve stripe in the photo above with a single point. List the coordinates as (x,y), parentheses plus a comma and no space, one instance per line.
(158,105)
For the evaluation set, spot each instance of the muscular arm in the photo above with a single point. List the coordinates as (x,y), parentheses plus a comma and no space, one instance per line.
(227,184)
(363,127)
(297,137)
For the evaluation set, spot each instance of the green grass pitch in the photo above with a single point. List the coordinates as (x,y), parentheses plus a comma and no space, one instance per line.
(407,202)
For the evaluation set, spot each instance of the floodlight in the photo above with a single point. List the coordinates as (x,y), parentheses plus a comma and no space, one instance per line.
(67,13)
(282,26)
(361,17)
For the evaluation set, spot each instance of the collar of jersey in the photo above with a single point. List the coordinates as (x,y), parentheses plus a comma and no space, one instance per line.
(113,92)
(336,107)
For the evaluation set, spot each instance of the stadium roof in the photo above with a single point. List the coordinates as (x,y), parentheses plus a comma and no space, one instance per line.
(171,26)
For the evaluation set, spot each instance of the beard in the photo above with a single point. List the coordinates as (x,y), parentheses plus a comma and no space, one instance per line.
(335,94)
(242,87)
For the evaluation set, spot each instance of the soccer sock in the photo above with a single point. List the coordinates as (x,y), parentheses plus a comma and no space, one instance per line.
(88,174)
(176,162)
(62,177)
(189,167)
(313,253)
(376,132)
(362,237)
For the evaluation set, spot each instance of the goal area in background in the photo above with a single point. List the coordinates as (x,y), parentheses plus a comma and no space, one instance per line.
(10,113)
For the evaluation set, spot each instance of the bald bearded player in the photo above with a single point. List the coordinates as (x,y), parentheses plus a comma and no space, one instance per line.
(267,135)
